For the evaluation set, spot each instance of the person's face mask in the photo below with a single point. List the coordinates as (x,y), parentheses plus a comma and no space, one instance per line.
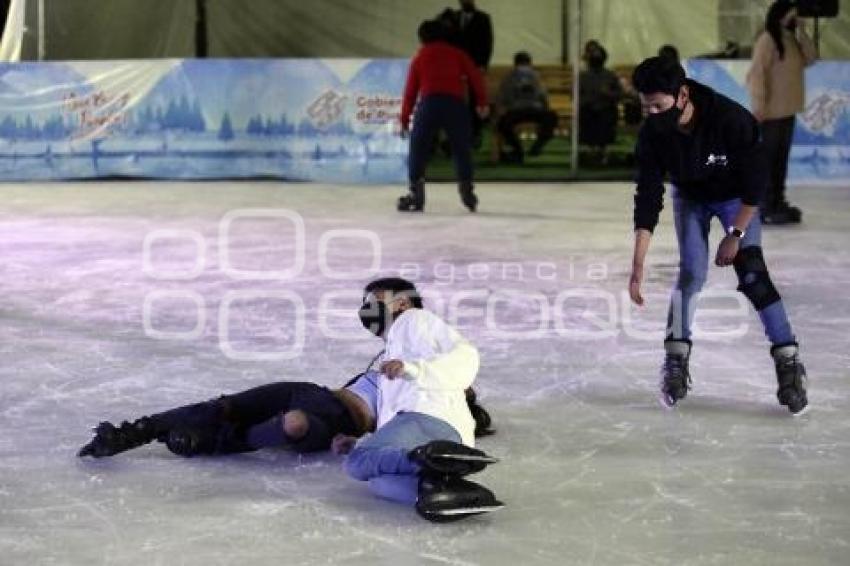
(375,315)
(666,122)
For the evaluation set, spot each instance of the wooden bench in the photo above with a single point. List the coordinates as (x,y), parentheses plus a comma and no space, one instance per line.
(558,81)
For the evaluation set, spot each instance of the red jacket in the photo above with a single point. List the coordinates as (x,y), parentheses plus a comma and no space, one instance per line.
(439,68)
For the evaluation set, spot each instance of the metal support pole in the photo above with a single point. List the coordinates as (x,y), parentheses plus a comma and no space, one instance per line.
(42,40)
(574,37)
(817,37)
(201,40)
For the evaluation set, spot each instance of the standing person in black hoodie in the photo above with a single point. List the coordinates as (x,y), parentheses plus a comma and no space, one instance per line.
(712,151)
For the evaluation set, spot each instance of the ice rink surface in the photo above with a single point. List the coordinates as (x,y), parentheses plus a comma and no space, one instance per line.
(121,299)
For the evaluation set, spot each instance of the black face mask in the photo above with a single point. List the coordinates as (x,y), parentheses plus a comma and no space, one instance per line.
(376,317)
(595,61)
(665,122)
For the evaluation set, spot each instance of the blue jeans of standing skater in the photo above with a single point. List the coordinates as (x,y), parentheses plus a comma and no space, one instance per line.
(437,112)
(381,458)
(692,221)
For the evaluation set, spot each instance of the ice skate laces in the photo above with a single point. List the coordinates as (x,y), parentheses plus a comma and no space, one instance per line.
(675,372)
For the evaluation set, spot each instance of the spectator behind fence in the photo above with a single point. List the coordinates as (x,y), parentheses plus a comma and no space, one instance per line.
(471,30)
(599,93)
(775,82)
(523,99)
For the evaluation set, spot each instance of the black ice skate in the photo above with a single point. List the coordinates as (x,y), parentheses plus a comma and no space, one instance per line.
(675,377)
(791,377)
(110,440)
(447,457)
(467,196)
(483,422)
(449,498)
(188,442)
(413,201)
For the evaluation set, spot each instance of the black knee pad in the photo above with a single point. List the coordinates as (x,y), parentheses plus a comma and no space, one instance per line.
(753,278)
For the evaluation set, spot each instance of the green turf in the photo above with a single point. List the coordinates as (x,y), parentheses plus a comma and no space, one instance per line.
(552,165)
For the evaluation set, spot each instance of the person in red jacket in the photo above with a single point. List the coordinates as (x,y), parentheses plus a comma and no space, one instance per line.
(437,83)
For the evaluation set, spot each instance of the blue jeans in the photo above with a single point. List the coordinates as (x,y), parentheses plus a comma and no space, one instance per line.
(381,458)
(693,220)
(437,112)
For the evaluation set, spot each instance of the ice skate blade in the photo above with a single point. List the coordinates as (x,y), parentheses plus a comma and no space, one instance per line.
(465,458)
(666,402)
(468,510)
(802,411)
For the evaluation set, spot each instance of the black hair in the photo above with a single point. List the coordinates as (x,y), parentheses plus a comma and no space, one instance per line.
(773,23)
(432,30)
(593,47)
(658,74)
(396,285)
(592,44)
(522,58)
(669,51)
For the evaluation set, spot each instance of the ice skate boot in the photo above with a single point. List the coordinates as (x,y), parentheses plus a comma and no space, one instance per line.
(415,200)
(791,377)
(467,196)
(482,419)
(449,498)
(447,457)
(110,440)
(675,377)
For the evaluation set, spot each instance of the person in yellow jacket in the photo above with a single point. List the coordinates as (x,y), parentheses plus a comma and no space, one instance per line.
(775,82)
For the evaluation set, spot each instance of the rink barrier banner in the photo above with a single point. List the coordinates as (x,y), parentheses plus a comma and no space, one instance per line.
(332,120)
(821,149)
(322,120)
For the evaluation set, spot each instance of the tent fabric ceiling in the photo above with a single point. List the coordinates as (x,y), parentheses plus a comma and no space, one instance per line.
(630,29)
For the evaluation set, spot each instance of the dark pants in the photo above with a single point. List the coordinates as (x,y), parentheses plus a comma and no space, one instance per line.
(437,112)
(545,120)
(253,418)
(777,136)
(476,121)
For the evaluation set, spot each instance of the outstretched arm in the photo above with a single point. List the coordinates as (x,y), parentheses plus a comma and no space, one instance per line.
(642,239)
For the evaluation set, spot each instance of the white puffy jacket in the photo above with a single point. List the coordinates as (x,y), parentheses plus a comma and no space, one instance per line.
(439,364)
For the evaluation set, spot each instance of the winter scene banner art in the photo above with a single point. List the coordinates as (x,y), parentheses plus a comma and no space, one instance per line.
(821,150)
(298,119)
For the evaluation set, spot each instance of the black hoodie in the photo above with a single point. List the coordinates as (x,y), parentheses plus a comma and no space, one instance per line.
(721,159)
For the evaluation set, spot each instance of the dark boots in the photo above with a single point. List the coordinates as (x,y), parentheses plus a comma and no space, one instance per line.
(791,378)
(783,213)
(445,498)
(447,457)
(483,422)
(776,210)
(675,376)
(110,440)
(790,375)
(467,196)
(414,201)
(443,493)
